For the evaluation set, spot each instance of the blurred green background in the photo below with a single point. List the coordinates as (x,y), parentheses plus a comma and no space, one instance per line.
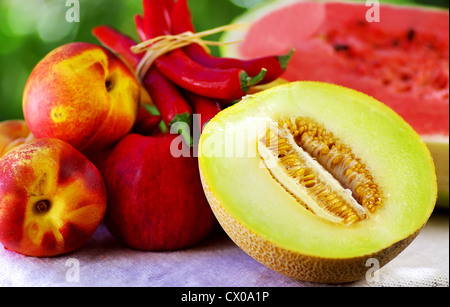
(29,29)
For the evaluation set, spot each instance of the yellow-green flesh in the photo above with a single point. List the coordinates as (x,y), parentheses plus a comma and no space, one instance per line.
(396,156)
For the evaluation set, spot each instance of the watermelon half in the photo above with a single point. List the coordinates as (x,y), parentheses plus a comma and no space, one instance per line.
(402,60)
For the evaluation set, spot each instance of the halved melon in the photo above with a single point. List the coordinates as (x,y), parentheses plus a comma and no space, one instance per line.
(313,179)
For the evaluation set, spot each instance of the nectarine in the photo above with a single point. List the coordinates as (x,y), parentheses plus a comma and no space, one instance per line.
(12,134)
(83,94)
(52,198)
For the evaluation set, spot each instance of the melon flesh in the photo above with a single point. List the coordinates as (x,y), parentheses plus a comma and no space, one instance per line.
(402,61)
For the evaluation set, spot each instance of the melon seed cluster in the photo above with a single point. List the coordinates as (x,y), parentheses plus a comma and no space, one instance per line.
(320,171)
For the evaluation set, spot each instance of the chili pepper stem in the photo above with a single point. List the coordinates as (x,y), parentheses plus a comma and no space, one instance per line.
(285,59)
(247,81)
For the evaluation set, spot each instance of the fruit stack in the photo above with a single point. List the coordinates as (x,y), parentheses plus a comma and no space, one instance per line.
(316,181)
(96,144)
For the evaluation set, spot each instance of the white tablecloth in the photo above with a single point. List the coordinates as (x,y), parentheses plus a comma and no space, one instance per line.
(216,262)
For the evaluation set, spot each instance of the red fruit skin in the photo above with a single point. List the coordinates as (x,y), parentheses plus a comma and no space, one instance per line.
(155,201)
(49,169)
(66,97)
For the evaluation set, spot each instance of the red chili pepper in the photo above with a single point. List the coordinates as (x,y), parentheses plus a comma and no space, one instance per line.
(166,92)
(165,95)
(206,107)
(157,17)
(139,23)
(118,43)
(179,68)
(182,22)
(214,83)
(168,99)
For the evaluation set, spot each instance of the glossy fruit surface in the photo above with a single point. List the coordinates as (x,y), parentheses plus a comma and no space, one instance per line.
(52,198)
(82,94)
(155,200)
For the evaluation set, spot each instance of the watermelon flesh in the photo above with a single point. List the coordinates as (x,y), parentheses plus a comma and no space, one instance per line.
(403,60)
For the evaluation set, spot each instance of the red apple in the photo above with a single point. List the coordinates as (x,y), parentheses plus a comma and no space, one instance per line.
(82,94)
(52,198)
(12,134)
(155,201)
